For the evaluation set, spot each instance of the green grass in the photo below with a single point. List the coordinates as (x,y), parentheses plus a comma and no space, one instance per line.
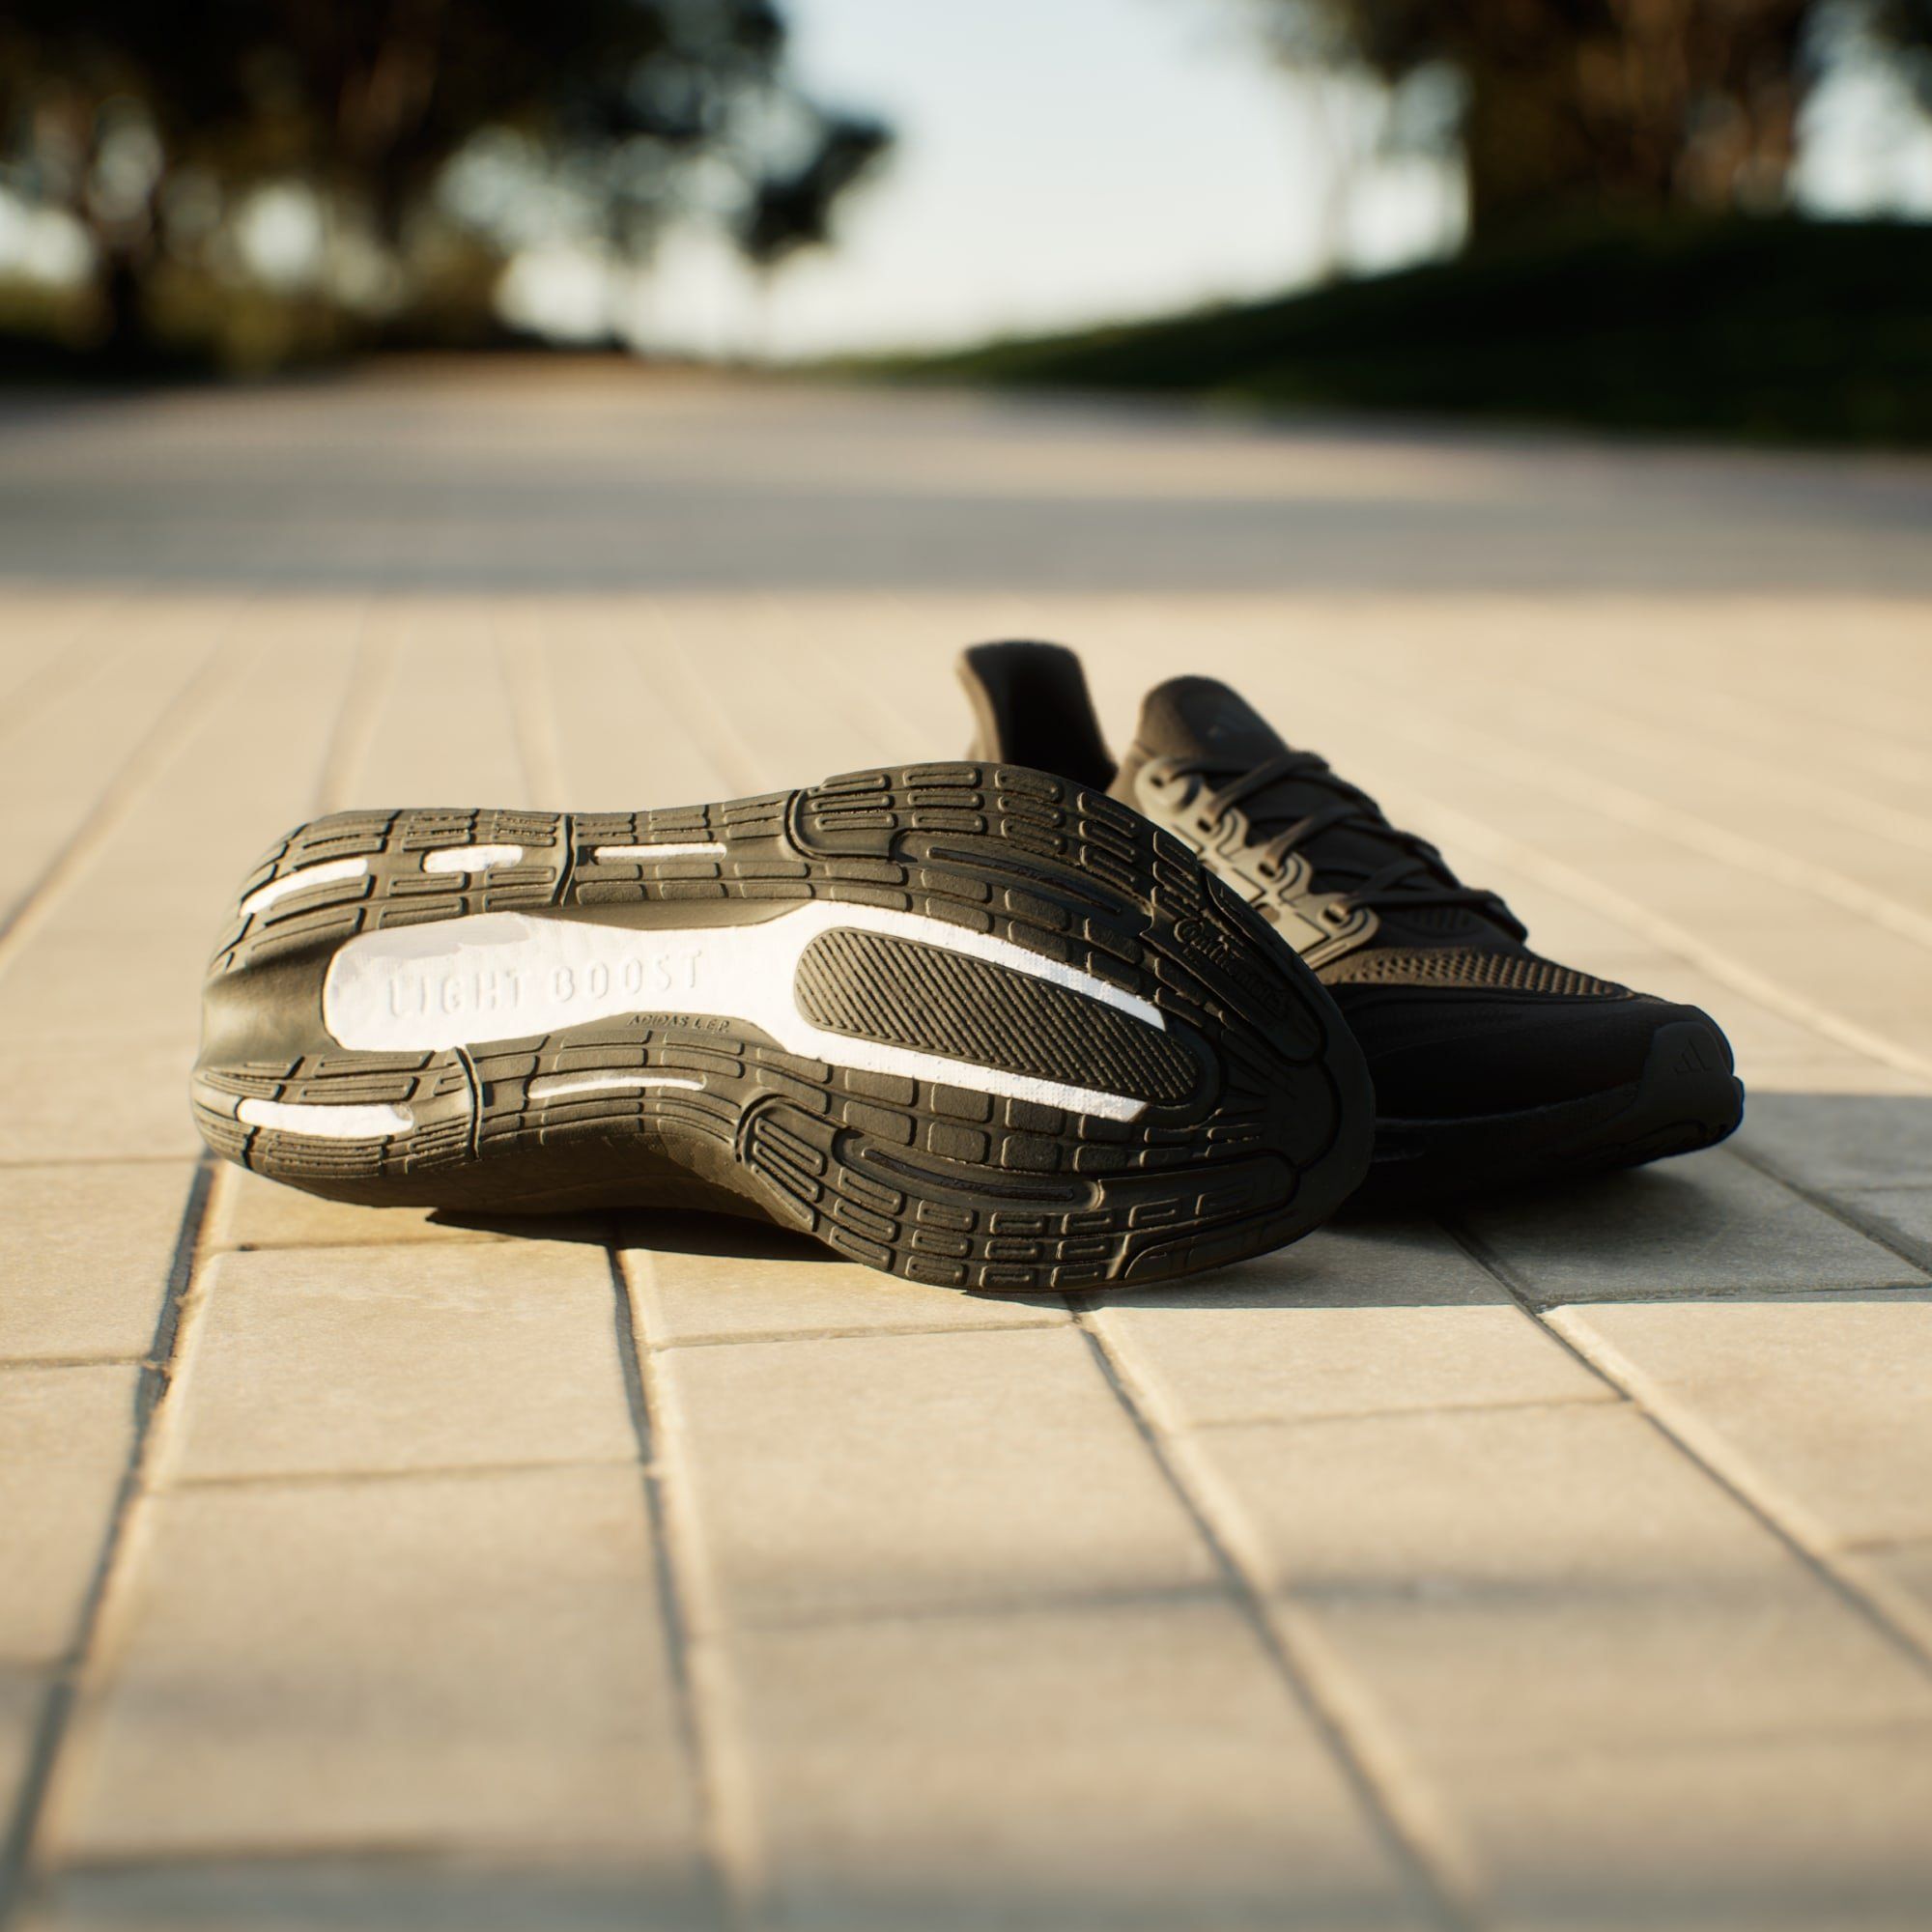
(1777,330)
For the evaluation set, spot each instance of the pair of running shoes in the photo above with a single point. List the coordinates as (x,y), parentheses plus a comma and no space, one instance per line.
(1034,1020)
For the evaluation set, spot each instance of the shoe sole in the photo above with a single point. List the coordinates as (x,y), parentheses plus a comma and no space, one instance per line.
(969,1024)
(1687,1097)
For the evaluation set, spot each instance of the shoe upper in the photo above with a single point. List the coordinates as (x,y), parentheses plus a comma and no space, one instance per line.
(1455,1013)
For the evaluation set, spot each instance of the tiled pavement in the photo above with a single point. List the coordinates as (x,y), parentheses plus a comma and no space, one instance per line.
(1554,1566)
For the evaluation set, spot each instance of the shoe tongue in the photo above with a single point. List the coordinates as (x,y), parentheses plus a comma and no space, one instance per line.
(1202,717)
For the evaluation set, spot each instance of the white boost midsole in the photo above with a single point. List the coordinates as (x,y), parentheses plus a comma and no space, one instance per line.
(492,977)
(333,1120)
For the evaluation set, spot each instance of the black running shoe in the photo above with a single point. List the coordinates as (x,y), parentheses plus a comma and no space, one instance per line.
(968,1023)
(1492,1067)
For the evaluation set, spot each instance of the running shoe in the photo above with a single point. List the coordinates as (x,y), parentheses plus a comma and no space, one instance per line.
(968,1023)
(1493,1065)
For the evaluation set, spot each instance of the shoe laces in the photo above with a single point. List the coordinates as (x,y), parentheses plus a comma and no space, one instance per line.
(1416,877)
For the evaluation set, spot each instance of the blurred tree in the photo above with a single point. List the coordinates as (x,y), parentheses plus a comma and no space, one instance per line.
(1609,107)
(791,208)
(1907,26)
(153,124)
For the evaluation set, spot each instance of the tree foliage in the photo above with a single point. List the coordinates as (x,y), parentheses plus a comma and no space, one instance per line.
(1907,25)
(1613,106)
(153,124)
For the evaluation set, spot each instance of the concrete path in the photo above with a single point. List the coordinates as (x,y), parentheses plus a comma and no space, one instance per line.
(1564,1567)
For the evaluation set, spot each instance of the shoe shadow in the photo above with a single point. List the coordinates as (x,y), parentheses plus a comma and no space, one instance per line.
(725,1236)
(1818,1192)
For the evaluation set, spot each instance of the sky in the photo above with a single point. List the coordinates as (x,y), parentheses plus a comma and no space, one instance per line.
(1059,162)
(1068,161)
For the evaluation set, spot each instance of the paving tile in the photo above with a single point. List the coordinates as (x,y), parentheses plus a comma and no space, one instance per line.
(796,725)
(66,1436)
(1515,1580)
(73,985)
(119,960)
(1709,1225)
(324,1360)
(714,1279)
(1909,1565)
(23,1693)
(424,1894)
(84,1253)
(899,1473)
(56,774)
(96,1099)
(1115,1767)
(402,1666)
(1902,1216)
(442,735)
(1831,1141)
(1843,961)
(601,679)
(1766,1834)
(1388,1317)
(1567,929)
(402,1701)
(1826,1069)
(1829,1401)
(250,1211)
(1761,1037)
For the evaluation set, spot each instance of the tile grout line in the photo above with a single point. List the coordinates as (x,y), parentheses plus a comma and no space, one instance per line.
(60,676)
(1400,1811)
(1852,811)
(371,671)
(160,1375)
(767,1337)
(1874,1231)
(533,728)
(28,1364)
(886,720)
(1289,1425)
(1399,1807)
(718,741)
(1660,931)
(649,686)
(155,747)
(268,1855)
(1900,1615)
(1892,1613)
(722,1833)
(1705,838)
(18,1858)
(412,1472)
(706,1717)
(14,1163)
(865,697)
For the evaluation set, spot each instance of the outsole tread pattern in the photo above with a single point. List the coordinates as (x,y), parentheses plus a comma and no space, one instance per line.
(1253,1109)
(858,983)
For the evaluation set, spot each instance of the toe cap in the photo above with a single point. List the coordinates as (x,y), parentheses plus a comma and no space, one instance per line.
(1455,1055)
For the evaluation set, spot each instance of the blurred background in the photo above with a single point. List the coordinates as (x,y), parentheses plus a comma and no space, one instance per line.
(1698,214)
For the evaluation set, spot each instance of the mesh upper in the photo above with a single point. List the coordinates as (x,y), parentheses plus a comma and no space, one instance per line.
(1451,966)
